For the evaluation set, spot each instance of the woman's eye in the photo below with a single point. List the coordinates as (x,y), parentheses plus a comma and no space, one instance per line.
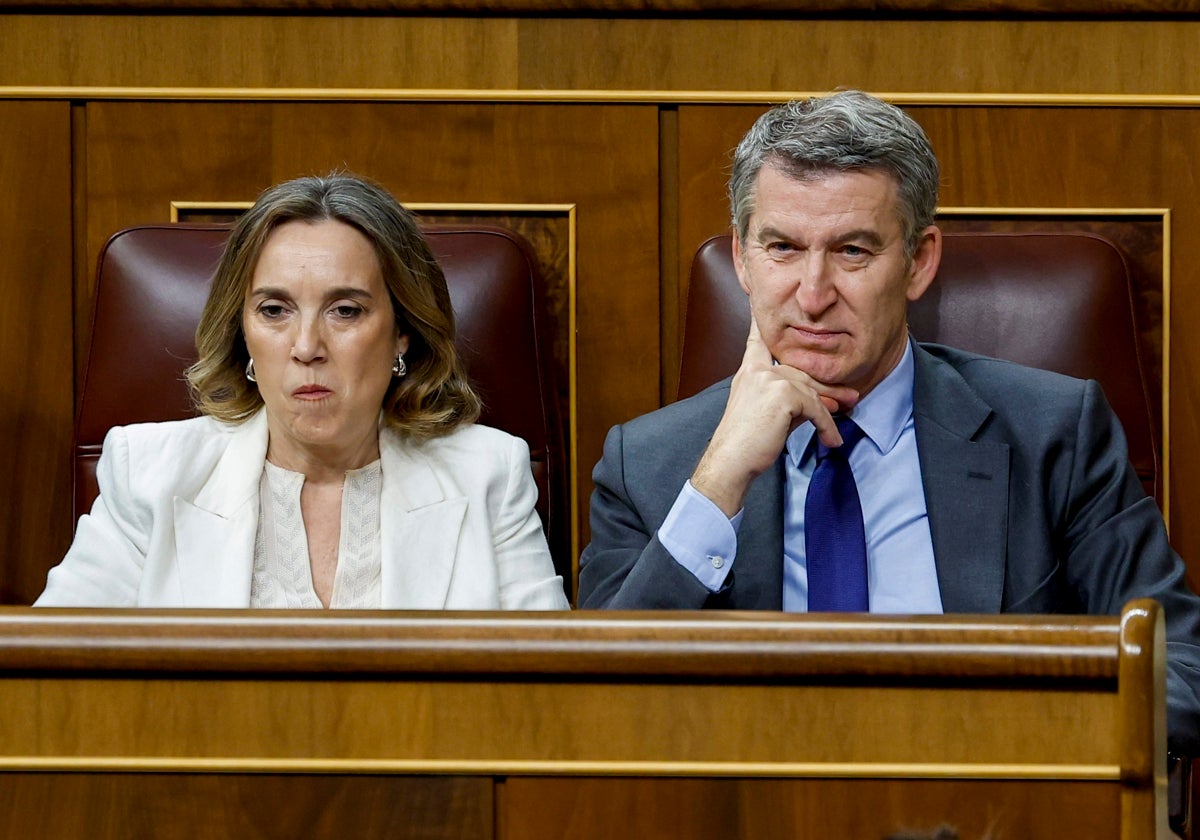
(271,310)
(347,311)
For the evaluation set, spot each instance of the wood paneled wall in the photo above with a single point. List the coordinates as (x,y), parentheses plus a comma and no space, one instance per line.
(107,117)
(36,389)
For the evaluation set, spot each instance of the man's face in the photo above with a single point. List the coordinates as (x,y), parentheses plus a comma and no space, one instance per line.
(828,280)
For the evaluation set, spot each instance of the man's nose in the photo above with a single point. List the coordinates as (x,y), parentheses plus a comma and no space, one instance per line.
(816,290)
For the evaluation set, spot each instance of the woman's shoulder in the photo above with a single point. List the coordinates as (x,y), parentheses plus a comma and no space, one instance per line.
(472,446)
(155,451)
(469,436)
(166,432)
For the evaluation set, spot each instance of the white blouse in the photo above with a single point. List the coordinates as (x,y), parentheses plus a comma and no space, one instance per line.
(282,573)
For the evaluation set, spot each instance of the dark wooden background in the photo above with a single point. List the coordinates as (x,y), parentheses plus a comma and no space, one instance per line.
(110,111)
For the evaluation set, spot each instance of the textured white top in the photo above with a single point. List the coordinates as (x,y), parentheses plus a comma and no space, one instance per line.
(282,573)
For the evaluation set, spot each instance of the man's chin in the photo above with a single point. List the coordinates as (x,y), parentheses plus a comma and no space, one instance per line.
(823,367)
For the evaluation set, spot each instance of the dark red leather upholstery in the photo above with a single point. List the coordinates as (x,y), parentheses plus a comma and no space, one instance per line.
(151,286)
(1059,301)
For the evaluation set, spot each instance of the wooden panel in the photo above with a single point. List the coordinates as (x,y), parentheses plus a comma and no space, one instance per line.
(35,343)
(148,687)
(971,720)
(743,53)
(603,159)
(1042,158)
(953,8)
(230,51)
(880,54)
(810,809)
(171,806)
(428,724)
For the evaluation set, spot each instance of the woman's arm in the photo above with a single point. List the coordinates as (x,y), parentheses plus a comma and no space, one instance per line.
(103,566)
(526,572)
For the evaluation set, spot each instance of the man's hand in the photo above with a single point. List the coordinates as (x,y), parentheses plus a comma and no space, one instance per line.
(766,402)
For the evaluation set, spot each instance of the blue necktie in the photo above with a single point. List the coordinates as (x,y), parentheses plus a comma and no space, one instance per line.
(835,543)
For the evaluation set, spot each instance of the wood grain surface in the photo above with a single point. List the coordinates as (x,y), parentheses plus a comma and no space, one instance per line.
(36,325)
(730,725)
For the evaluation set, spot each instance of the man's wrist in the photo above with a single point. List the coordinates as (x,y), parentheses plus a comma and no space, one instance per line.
(713,482)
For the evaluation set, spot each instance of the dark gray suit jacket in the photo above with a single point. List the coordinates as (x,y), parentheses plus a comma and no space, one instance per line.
(1033,508)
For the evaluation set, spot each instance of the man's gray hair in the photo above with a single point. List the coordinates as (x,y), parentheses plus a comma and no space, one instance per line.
(845,131)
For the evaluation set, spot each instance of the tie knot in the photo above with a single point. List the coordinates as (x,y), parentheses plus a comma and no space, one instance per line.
(851,435)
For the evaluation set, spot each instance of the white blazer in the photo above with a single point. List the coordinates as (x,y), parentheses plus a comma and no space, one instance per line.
(177,516)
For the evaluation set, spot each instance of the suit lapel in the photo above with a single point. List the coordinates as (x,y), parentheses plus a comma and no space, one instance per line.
(759,569)
(215,531)
(966,487)
(420,526)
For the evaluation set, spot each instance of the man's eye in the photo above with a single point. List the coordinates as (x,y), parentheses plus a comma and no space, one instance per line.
(855,251)
(780,247)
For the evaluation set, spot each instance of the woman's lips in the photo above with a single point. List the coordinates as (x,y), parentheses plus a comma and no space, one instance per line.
(311,392)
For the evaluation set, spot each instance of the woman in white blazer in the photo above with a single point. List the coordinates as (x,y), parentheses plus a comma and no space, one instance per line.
(336,462)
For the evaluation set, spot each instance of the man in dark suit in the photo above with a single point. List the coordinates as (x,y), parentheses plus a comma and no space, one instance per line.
(977,485)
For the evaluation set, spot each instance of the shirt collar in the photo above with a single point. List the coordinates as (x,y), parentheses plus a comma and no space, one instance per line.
(881,414)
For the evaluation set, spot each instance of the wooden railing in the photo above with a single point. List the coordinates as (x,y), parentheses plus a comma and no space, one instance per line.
(588,724)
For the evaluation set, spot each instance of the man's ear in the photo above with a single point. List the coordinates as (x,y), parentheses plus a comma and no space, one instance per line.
(925,262)
(738,265)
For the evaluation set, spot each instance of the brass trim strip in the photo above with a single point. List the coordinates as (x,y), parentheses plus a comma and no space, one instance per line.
(693,97)
(176,206)
(1166,371)
(1164,216)
(1054,211)
(741,769)
(486,207)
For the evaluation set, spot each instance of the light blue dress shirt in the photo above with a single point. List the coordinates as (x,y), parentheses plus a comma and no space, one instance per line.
(901,576)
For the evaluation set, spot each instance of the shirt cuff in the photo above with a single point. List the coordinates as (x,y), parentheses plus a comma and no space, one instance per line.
(700,537)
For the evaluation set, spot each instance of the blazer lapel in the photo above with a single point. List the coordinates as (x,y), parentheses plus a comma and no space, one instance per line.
(966,487)
(420,529)
(215,531)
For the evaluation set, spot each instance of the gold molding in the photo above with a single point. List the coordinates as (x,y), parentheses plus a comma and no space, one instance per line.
(1164,216)
(645,97)
(566,767)
(176,206)
(569,210)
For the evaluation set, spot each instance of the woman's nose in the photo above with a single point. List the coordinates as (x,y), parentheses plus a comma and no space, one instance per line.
(309,343)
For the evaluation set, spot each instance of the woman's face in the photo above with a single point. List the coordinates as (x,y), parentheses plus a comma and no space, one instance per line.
(320,328)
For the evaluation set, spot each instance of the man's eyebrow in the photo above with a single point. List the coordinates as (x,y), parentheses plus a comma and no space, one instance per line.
(770,232)
(866,236)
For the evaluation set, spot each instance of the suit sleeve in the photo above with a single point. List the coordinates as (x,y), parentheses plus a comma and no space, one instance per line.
(625,566)
(103,567)
(1117,550)
(526,571)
